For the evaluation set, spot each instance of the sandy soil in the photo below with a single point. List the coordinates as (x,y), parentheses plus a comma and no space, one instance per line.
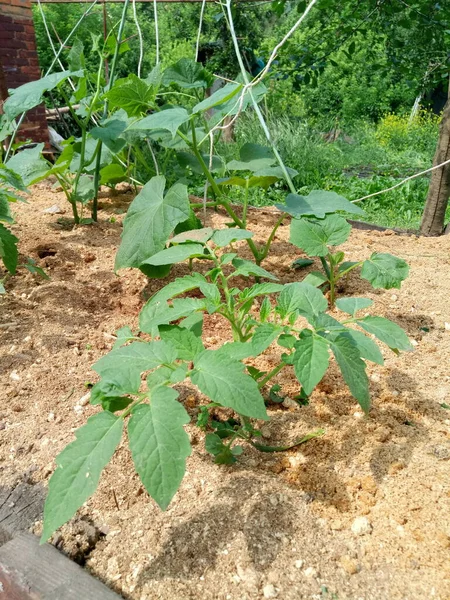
(273,525)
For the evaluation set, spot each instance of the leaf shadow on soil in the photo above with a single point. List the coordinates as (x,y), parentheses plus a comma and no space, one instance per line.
(244,507)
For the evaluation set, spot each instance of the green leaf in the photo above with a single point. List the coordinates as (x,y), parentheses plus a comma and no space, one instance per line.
(85,190)
(176,254)
(236,350)
(367,347)
(330,202)
(155,272)
(286,340)
(159,444)
(248,269)
(252,165)
(186,343)
(150,220)
(311,358)
(161,313)
(187,74)
(112,174)
(109,133)
(181,285)
(384,271)
(170,120)
(224,381)
(8,249)
(29,95)
(315,278)
(224,237)
(387,332)
(263,336)
(11,178)
(221,96)
(352,305)
(78,470)
(123,366)
(260,289)
(352,367)
(123,335)
(30,165)
(186,159)
(250,151)
(302,263)
(315,237)
(318,203)
(132,94)
(193,235)
(303,298)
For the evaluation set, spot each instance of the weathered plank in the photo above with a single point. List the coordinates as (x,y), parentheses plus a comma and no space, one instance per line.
(20,507)
(29,571)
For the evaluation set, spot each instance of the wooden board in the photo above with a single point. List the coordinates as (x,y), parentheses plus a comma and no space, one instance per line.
(29,571)
(20,507)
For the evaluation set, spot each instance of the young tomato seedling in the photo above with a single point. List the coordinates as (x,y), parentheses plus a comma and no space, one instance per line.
(293,315)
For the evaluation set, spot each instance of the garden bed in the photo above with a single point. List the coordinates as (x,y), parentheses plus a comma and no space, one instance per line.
(273,525)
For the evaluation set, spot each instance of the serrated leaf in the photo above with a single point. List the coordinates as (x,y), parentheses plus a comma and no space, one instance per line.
(11,178)
(387,332)
(224,237)
(384,271)
(30,165)
(162,313)
(352,367)
(176,254)
(236,350)
(224,381)
(367,347)
(263,336)
(260,289)
(352,305)
(132,94)
(221,96)
(311,358)
(29,95)
(186,343)
(249,269)
(187,74)
(159,444)
(150,220)
(314,237)
(79,467)
(179,286)
(109,133)
(123,366)
(8,249)
(123,335)
(166,120)
(302,297)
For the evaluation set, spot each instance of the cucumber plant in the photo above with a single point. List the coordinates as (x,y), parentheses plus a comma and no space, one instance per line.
(139,376)
(319,237)
(12,189)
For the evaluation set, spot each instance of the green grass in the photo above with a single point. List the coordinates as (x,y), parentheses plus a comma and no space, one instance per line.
(355,165)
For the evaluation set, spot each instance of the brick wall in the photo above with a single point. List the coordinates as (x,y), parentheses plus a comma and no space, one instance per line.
(19,61)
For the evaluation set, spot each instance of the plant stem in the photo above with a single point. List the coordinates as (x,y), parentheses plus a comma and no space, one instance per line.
(244,210)
(266,249)
(270,375)
(112,74)
(255,104)
(217,192)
